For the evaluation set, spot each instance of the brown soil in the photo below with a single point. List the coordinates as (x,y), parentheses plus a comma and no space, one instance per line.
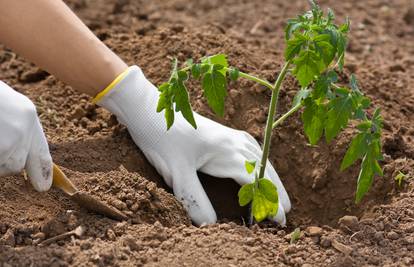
(99,156)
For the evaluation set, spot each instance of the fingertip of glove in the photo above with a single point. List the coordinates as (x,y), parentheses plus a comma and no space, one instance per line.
(280,217)
(40,175)
(200,219)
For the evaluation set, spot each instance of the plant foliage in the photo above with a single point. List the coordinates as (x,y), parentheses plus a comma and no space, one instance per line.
(315,54)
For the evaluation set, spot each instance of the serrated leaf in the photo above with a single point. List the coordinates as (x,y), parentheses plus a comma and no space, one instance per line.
(307,67)
(369,168)
(219,59)
(246,194)
(215,90)
(325,50)
(331,15)
(339,113)
(196,71)
(169,117)
(250,165)
(313,119)
(323,84)
(344,28)
(294,45)
(340,47)
(292,26)
(356,150)
(205,68)
(301,95)
(182,75)
(269,190)
(261,207)
(182,101)
(365,178)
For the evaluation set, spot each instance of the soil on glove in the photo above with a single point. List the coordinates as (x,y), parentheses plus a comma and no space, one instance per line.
(98,155)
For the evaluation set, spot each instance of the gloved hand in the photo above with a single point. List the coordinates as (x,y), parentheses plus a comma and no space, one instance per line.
(23,144)
(181,151)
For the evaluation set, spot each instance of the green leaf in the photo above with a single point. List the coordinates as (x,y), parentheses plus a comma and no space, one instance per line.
(369,168)
(325,50)
(400,178)
(269,190)
(307,67)
(246,194)
(169,117)
(234,74)
(196,71)
(341,46)
(294,236)
(365,178)
(261,207)
(294,45)
(182,75)
(219,59)
(292,26)
(313,120)
(344,28)
(164,97)
(331,16)
(215,90)
(250,165)
(323,84)
(301,95)
(339,113)
(353,83)
(355,151)
(182,101)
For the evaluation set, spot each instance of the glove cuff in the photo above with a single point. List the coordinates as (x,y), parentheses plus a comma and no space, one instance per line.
(133,99)
(105,91)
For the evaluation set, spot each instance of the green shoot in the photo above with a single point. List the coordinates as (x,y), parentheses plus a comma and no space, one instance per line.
(400,178)
(314,55)
(294,236)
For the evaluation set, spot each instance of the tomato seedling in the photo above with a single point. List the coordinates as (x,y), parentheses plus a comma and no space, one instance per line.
(314,54)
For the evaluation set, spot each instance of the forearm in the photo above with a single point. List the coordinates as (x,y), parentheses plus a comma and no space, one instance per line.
(50,35)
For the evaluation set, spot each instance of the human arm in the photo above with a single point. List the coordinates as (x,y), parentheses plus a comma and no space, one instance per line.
(50,35)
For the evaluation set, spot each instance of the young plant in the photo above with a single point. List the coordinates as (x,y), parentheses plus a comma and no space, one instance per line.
(314,54)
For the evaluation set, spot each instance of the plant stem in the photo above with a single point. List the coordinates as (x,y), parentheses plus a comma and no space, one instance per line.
(286,115)
(255,79)
(246,76)
(270,118)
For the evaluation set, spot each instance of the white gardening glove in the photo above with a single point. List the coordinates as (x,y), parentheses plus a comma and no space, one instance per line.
(23,144)
(180,152)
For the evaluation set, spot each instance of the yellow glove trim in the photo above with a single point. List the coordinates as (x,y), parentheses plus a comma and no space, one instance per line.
(105,91)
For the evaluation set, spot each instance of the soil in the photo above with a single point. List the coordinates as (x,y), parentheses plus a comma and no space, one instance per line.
(98,155)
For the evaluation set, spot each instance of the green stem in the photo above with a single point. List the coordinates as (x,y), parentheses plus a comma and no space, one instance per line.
(286,115)
(270,118)
(246,76)
(255,79)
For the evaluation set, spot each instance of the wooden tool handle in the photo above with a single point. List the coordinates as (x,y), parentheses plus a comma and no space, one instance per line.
(62,182)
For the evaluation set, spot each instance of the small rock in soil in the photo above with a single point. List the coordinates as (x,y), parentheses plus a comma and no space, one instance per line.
(314,231)
(8,238)
(348,223)
(326,242)
(341,247)
(393,235)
